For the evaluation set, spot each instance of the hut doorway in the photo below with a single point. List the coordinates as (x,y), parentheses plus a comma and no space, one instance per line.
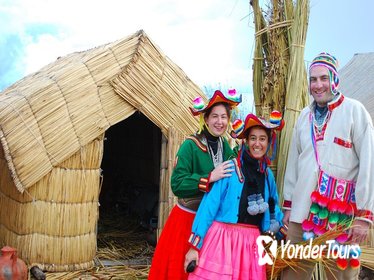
(129,195)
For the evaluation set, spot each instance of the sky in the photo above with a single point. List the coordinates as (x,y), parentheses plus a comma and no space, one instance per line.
(211,40)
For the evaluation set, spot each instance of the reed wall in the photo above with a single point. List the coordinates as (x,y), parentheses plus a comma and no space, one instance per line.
(53,223)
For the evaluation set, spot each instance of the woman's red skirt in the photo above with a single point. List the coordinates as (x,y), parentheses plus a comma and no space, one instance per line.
(172,246)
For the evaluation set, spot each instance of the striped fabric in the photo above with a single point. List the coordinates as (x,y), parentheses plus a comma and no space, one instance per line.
(331,63)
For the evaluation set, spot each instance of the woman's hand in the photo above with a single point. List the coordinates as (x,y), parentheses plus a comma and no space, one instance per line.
(221,171)
(192,255)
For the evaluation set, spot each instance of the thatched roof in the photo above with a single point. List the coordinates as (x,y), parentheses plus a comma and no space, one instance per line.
(48,116)
(357,79)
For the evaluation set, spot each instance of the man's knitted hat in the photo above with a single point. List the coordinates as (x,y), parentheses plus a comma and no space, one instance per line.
(331,63)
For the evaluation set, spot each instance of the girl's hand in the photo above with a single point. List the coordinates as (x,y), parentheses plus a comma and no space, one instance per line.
(192,255)
(221,171)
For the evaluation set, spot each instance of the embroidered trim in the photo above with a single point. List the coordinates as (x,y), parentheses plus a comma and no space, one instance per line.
(208,184)
(366,214)
(287,204)
(342,142)
(333,203)
(336,103)
(283,231)
(191,238)
(238,170)
(319,135)
(194,240)
(319,132)
(203,185)
(204,180)
(198,143)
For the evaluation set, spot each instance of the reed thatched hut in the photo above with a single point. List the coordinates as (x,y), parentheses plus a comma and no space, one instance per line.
(357,79)
(56,175)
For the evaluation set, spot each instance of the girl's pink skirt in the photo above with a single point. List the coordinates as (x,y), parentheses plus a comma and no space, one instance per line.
(229,252)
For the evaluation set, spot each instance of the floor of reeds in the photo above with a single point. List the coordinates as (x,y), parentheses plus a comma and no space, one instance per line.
(125,251)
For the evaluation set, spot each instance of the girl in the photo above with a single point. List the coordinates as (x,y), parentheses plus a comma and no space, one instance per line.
(237,209)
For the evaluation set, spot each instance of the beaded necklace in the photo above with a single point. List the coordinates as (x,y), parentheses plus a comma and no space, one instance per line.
(217,158)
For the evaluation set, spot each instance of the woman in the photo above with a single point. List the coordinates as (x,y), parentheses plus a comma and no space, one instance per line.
(201,160)
(237,209)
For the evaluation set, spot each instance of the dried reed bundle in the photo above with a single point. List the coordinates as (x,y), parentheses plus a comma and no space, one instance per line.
(277,34)
(274,85)
(258,60)
(367,257)
(119,272)
(271,58)
(297,95)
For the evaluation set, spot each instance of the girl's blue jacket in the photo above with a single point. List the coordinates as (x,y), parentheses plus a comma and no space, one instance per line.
(222,204)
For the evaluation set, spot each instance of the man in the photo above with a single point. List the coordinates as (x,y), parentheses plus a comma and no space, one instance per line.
(331,156)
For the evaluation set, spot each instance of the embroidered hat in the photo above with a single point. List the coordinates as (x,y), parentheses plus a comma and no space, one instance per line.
(331,63)
(275,122)
(232,98)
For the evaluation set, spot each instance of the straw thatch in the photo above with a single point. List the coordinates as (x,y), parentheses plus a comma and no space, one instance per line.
(296,97)
(52,126)
(357,79)
(279,80)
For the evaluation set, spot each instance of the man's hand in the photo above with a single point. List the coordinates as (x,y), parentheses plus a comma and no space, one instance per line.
(286,217)
(191,255)
(359,231)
